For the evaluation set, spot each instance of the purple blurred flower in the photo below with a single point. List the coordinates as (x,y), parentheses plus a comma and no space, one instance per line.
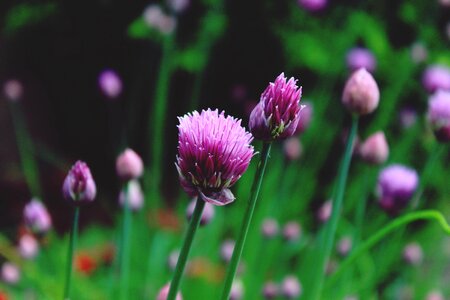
(305,117)
(361,94)
(37,217)
(277,114)
(178,6)
(361,58)
(374,149)
(213,153)
(13,90)
(110,83)
(173,259)
(226,250)
(270,290)
(135,196)
(292,148)
(237,290)
(436,77)
(156,18)
(412,254)
(324,212)
(269,228)
(419,52)
(439,115)
(435,295)
(408,117)
(396,185)
(291,231)
(28,246)
(291,287)
(313,5)
(10,273)
(164,292)
(344,245)
(79,186)
(129,165)
(207,215)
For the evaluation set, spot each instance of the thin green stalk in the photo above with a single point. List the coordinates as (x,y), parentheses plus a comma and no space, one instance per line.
(156,122)
(72,245)
(125,245)
(184,253)
(238,248)
(361,209)
(377,237)
(331,225)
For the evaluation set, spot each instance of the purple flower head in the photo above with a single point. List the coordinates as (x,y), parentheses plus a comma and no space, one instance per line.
(361,94)
(178,6)
(292,231)
(129,165)
(28,246)
(269,228)
(436,77)
(277,114)
(164,292)
(207,215)
(213,152)
(135,196)
(324,212)
(396,185)
(313,5)
(358,58)
(291,287)
(270,290)
(36,217)
(110,83)
(305,118)
(375,149)
(344,245)
(79,186)
(439,115)
(412,253)
(226,250)
(10,273)
(13,90)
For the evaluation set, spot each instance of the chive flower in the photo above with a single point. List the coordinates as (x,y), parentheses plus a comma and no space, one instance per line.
(79,186)
(361,94)
(277,114)
(213,152)
(36,217)
(129,165)
(439,115)
(359,57)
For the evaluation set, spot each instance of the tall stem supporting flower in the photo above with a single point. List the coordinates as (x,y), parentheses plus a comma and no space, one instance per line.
(331,225)
(238,248)
(124,265)
(184,253)
(72,245)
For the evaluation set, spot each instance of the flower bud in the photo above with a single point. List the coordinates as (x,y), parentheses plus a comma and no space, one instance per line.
(270,290)
(178,6)
(344,246)
(396,185)
(36,217)
(292,148)
(129,165)
(439,115)
(305,118)
(312,5)
(358,58)
(277,114)
(375,149)
(269,228)
(324,212)
(412,254)
(135,196)
(226,250)
(79,186)
(207,215)
(110,83)
(291,287)
(28,246)
(361,94)
(13,90)
(291,231)
(10,273)
(237,290)
(436,77)
(164,292)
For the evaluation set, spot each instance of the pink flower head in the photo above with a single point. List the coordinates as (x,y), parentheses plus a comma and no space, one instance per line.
(213,152)
(292,148)
(270,290)
(313,5)
(277,114)
(135,196)
(36,217)
(375,149)
(269,228)
(396,185)
(436,77)
(361,58)
(361,94)
(10,273)
(110,83)
(178,6)
(412,253)
(305,118)
(291,287)
(439,115)
(237,290)
(28,246)
(79,186)
(164,292)
(13,90)
(129,165)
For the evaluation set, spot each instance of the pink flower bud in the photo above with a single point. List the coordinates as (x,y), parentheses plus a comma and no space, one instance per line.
(207,215)
(237,290)
(375,149)
(292,148)
(13,90)
(324,211)
(135,196)
(358,58)
(412,254)
(291,231)
(129,165)
(305,118)
(10,273)
(270,290)
(110,83)
(312,5)
(361,94)
(164,292)
(28,246)
(291,287)
(436,77)
(344,246)
(36,217)
(439,115)
(226,250)
(269,228)
(79,186)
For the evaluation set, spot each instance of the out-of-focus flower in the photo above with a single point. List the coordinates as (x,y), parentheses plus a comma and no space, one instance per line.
(447,30)
(344,245)
(439,115)
(408,117)
(305,118)
(79,186)
(36,217)
(412,254)
(291,231)
(396,185)
(312,5)
(270,290)
(269,228)
(435,295)
(85,263)
(361,94)
(10,273)
(277,114)
(164,292)
(292,148)
(237,290)
(445,3)
(156,18)
(110,83)
(374,149)
(28,246)
(173,259)
(419,52)
(178,6)
(226,250)
(436,77)
(207,215)
(13,90)
(324,212)
(358,58)
(135,196)
(129,165)
(291,287)
(213,153)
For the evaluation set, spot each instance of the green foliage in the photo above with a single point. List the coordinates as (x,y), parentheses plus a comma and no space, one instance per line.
(27,14)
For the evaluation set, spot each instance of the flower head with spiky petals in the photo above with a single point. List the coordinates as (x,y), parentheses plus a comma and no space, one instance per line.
(277,114)
(213,152)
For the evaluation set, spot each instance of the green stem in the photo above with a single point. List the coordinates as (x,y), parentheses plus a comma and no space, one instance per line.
(156,122)
(124,265)
(72,245)
(238,248)
(184,253)
(331,225)
(361,209)
(374,239)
